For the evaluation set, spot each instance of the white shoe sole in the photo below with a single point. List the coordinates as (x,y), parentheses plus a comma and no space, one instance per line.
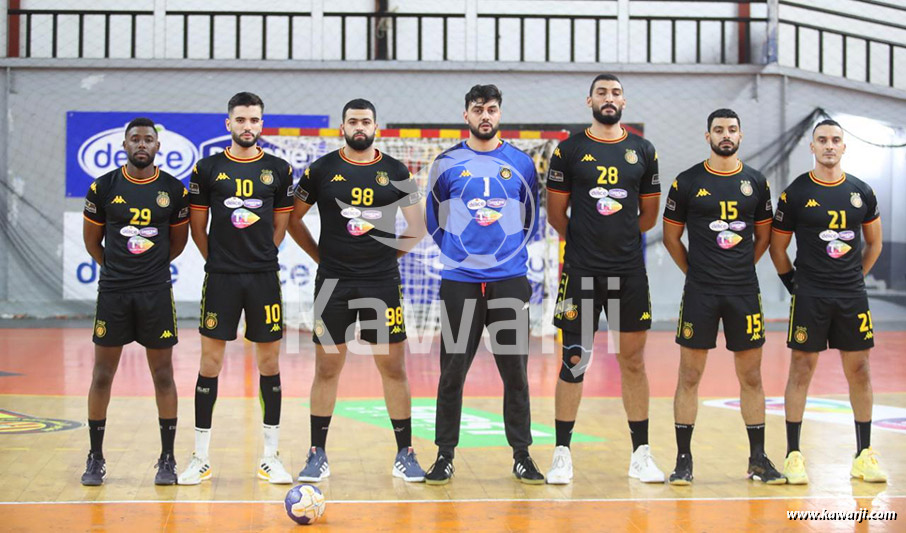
(397,474)
(655,479)
(310,479)
(553,480)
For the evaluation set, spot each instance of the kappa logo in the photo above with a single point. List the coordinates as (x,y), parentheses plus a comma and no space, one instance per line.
(869,335)
(645,316)
(275,328)
(783,196)
(118,200)
(185,192)
(396,329)
(465,174)
(756,336)
(337,177)
(557,153)
(702,192)
(18,423)
(675,184)
(812,203)
(94,187)
(166,334)
(588,158)
(222,176)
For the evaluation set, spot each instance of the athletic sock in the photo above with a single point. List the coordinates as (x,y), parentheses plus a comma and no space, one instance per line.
(271,398)
(564,431)
(684,438)
(756,439)
(319,427)
(205,398)
(96,430)
(863,436)
(792,436)
(167,434)
(402,430)
(638,431)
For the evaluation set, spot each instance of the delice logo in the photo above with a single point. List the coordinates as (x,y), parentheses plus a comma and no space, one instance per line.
(104,152)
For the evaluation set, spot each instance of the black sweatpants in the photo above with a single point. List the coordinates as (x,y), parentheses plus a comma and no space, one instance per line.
(502,306)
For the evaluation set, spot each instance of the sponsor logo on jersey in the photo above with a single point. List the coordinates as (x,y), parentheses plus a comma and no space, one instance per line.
(767,205)
(381,178)
(12,422)
(266,176)
(396,329)
(599,192)
(129,231)
(645,316)
(100,329)
(148,232)
(756,336)
(183,213)
(233,202)
(869,335)
(687,330)
(307,172)
(253,203)
(745,187)
(163,199)
(846,235)
(855,199)
(675,184)
(631,157)
(301,194)
(90,207)
(608,206)
(222,176)
(486,217)
(210,320)
(801,334)
(728,239)
(812,203)
(557,152)
(167,334)
(350,212)
(618,193)
(828,235)
(476,203)
(243,218)
(357,226)
(656,179)
(194,188)
(737,225)
(506,173)
(718,225)
(337,177)
(371,214)
(779,215)
(275,328)
(555,175)
(588,158)
(497,203)
(465,174)
(838,249)
(94,187)
(783,196)
(671,204)
(138,245)
(289,190)
(118,200)
(702,192)
(185,192)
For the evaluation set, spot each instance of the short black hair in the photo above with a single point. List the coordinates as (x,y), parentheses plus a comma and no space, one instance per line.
(139,123)
(723,113)
(826,122)
(484,93)
(599,77)
(245,99)
(359,103)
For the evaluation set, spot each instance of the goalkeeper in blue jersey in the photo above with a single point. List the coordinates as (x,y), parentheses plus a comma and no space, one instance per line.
(482,209)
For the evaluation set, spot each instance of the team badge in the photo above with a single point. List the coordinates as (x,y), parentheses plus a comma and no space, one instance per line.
(307,172)
(163,199)
(210,321)
(688,332)
(571,313)
(267,176)
(319,328)
(100,329)
(12,422)
(855,199)
(506,173)
(382,178)
(745,187)
(801,334)
(631,157)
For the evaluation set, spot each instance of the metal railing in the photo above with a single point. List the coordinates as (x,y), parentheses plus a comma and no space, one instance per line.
(212,16)
(56,14)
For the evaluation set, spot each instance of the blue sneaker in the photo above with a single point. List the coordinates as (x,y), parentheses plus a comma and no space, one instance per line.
(406,466)
(316,467)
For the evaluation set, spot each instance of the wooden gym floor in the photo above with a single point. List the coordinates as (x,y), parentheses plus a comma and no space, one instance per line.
(45,373)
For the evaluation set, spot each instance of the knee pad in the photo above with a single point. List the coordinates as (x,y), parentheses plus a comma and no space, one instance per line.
(576,358)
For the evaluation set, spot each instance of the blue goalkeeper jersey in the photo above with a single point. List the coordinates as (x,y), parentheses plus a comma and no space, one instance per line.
(482,210)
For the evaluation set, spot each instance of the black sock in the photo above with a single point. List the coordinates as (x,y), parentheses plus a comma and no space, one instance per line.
(402,430)
(446,452)
(520,454)
(167,434)
(205,398)
(863,436)
(96,430)
(756,439)
(684,438)
(319,427)
(564,431)
(792,436)
(639,433)
(271,398)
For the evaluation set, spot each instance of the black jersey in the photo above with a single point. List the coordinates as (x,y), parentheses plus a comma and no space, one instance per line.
(243,195)
(721,210)
(137,215)
(827,219)
(605,179)
(358,203)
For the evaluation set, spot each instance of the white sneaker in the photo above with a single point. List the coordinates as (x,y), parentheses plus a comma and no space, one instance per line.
(198,470)
(561,472)
(271,469)
(643,468)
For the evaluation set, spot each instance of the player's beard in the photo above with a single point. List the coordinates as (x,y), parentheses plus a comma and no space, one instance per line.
(724,152)
(138,163)
(237,138)
(359,144)
(608,120)
(484,136)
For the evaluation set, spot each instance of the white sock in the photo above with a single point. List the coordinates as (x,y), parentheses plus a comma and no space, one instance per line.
(202,442)
(271,440)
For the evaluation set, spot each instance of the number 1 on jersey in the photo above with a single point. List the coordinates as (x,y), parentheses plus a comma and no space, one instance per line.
(487,187)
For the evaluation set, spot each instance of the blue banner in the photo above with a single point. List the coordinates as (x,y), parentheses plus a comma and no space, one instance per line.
(94,141)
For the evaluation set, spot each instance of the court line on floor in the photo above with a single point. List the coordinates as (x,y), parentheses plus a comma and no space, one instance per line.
(480,500)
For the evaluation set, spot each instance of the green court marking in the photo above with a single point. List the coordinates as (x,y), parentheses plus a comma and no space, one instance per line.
(479,429)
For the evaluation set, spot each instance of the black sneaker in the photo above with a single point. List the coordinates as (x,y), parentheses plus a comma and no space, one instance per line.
(166,470)
(527,472)
(95,471)
(440,472)
(762,469)
(682,474)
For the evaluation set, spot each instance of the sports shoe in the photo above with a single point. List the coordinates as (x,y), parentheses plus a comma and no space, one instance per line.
(166,470)
(794,469)
(865,467)
(762,469)
(95,471)
(198,470)
(561,472)
(527,472)
(316,467)
(440,472)
(406,466)
(682,473)
(642,466)
(270,468)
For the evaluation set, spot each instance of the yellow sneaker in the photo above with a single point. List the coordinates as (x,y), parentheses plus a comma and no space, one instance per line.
(866,467)
(794,469)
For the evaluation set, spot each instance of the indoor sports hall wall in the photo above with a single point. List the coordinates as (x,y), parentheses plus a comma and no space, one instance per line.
(671,102)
